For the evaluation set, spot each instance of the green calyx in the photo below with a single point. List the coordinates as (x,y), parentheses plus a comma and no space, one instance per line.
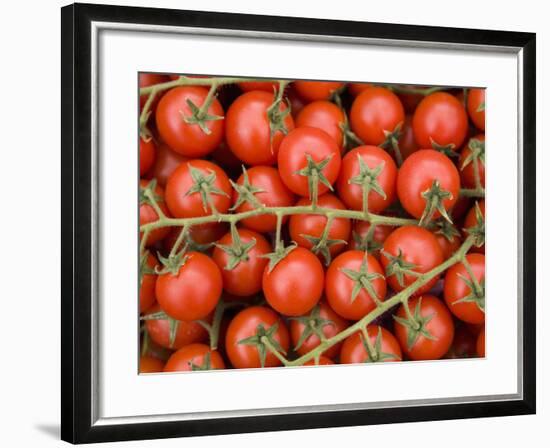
(478,230)
(237,251)
(172,263)
(477,152)
(313,325)
(322,245)
(446,229)
(147,194)
(276,256)
(205,185)
(365,243)
(434,197)
(416,325)
(363,279)
(206,364)
(391,141)
(257,340)
(448,150)
(276,115)
(481,107)
(368,180)
(477,292)
(200,116)
(374,352)
(246,192)
(399,267)
(314,173)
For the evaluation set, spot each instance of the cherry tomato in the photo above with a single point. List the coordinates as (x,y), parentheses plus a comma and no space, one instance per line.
(323,115)
(166,163)
(457,289)
(476,107)
(419,173)
(316,90)
(293,158)
(323,361)
(147,213)
(185,137)
(147,284)
(241,267)
(464,344)
(407,143)
(471,221)
(349,181)
(295,285)
(344,273)
(440,119)
(270,192)
(467,171)
(480,344)
(414,249)
(247,127)
(150,79)
(149,364)
(266,86)
(322,319)
(193,292)
(356,88)
(386,348)
(449,245)
(359,237)
(183,192)
(436,321)
(194,357)
(245,325)
(147,152)
(309,225)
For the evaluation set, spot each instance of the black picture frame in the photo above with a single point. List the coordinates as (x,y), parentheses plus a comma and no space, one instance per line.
(76,317)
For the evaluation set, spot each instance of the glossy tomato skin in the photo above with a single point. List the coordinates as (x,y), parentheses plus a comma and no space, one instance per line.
(407,143)
(455,289)
(448,247)
(480,344)
(245,279)
(417,175)
(186,333)
(193,355)
(323,115)
(147,153)
(266,86)
(354,352)
(295,285)
(352,194)
(166,163)
(440,118)
(476,97)
(314,225)
(244,325)
(147,214)
(467,173)
(339,287)
(336,325)
(441,327)
(184,205)
(292,158)
(248,130)
(193,292)
(274,194)
(323,361)
(150,79)
(374,111)
(471,221)
(316,90)
(147,286)
(360,230)
(417,246)
(150,364)
(187,138)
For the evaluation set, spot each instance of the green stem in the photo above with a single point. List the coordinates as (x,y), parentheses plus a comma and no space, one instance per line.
(265,340)
(415,91)
(472,192)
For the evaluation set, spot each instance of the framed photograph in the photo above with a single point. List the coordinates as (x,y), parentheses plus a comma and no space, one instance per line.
(275,223)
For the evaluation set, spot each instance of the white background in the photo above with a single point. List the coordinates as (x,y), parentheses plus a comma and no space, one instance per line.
(29,332)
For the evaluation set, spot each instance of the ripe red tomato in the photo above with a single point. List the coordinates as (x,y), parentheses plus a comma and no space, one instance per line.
(467,171)
(295,285)
(407,143)
(303,228)
(356,88)
(435,319)
(374,112)
(344,284)
(415,249)
(476,107)
(266,86)
(149,364)
(251,323)
(148,214)
(316,90)
(193,292)
(351,177)
(480,344)
(323,115)
(194,357)
(419,173)
(471,221)
(242,266)
(247,128)
(150,79)
(458,287)
(359,235)
(183,191)
(184,137)
(148,282)
(186,332)
(441,119)
(448,246)
(293,159)
(270,192)
(166,163)
(386,347)
(323,361)
(147,152)
(322,319)
(464,344)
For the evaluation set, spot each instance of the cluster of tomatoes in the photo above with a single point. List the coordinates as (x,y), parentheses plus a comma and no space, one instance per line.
(304,222)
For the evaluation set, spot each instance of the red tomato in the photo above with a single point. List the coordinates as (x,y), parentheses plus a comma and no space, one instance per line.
(467,171)
(356,88)
(323,361)
(350,180)
(435,319)
(418,174)
(303,228)
(149,364)
(344,278)
(407,143)
(193,292)
(414,249)
(316,90)
(322,319)
(386,347)
(148,214)
(270,192)
(150,79)
(471,221)
(166,163)
(147,152)
(323,115)
(379,235)
(183,192)
(293,159)
(194,357)
(440,119)
(243,340)
(148,280)
(242,265)
(266,86)
(464,344)
(374,113)
(247,128)
(448,246)
(188,138)
(295,285)
(458,287)
(476,107)
(480,344)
